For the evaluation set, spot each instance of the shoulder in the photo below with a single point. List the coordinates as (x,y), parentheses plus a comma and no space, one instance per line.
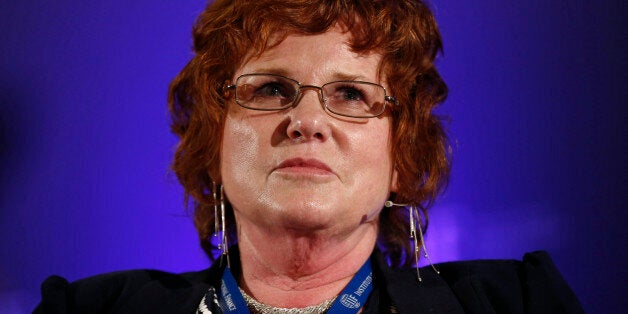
(119,292)
(532,285)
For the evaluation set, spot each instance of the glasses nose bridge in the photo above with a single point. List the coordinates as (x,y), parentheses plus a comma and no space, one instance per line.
(318,89)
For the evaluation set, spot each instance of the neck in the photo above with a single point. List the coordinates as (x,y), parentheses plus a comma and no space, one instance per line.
(292,268)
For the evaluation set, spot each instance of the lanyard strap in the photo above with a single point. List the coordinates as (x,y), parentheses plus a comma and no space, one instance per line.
(355,294)
(350,300)
(231,299)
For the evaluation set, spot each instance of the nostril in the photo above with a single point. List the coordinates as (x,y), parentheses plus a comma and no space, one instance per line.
(318,135)
(296,134)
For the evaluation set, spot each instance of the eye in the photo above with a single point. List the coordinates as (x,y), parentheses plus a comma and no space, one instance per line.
(265,91)
(274,89)
(349,93)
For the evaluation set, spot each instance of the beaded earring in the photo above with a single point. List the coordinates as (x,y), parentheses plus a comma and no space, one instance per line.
(415,224)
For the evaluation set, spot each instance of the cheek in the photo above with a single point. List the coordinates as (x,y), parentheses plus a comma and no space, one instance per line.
(373,149)
(239,150)
(371,161)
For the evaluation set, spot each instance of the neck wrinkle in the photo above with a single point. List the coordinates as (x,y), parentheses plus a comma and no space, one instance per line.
(288,269)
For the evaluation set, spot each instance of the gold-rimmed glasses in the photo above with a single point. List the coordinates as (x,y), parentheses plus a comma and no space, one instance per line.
(270,92)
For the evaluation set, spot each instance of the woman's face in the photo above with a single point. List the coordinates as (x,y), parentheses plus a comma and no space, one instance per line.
(303,168)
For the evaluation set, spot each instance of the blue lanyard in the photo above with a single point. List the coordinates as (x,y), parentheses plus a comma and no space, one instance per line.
(350,300)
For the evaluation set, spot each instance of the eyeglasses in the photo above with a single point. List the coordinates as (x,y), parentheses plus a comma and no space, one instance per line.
(270,92)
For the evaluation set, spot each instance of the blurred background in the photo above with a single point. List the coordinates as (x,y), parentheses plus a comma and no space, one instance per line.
(536,111)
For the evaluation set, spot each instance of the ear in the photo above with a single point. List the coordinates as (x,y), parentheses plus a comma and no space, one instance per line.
(394,184)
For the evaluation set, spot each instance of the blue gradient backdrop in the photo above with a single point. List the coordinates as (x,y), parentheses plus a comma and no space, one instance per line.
(537,115)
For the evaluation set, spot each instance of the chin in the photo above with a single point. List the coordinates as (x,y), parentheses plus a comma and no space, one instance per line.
(310,211)
(305,214)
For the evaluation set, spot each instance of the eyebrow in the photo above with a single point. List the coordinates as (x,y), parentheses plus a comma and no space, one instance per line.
(336,75)
(276,71)
(340,76)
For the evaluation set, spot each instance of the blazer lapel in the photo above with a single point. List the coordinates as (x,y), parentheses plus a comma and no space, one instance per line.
(173,294)
(431,295)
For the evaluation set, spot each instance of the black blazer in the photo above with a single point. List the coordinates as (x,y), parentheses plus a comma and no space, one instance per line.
(533,285)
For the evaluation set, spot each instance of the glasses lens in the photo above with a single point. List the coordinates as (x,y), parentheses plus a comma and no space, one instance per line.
(265,92)
(354,99)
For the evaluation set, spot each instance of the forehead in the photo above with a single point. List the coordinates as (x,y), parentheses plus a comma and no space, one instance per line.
(321,56)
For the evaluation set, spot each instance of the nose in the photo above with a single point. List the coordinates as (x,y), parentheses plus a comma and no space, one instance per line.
(308,119)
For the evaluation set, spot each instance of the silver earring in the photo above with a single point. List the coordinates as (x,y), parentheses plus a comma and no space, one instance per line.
(423,246)
(415,224)
(220,224)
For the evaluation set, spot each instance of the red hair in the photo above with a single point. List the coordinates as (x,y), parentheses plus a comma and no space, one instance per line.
(404,32)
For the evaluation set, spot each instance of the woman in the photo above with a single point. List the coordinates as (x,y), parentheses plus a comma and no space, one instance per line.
(308,138)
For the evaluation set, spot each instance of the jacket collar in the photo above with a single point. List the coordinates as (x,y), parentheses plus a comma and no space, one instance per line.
(431,295)
(175,293)
(169,293)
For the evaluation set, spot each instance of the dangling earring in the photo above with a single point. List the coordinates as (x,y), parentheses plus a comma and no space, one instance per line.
(415,223)
(220,224)
(419,223)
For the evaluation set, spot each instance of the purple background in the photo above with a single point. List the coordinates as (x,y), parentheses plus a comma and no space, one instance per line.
(537,115)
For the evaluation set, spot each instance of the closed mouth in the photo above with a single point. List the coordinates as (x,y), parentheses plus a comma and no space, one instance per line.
(304,165)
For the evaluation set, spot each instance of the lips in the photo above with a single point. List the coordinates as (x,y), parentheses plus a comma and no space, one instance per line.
(304,165)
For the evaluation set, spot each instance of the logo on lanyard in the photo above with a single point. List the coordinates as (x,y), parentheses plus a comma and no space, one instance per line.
(349,301)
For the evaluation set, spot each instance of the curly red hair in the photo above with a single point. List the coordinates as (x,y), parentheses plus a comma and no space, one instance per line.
(404,32)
